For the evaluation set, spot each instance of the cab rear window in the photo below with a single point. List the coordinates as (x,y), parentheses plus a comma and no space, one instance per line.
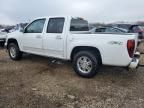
(78,24)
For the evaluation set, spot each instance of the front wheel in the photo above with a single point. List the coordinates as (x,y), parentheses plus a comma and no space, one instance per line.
(86,64)
(14,52)
(1,44)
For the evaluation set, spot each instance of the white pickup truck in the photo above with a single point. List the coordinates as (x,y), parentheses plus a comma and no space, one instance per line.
(68,38)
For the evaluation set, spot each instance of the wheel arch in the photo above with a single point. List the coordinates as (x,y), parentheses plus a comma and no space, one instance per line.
(85,48)
(11,40)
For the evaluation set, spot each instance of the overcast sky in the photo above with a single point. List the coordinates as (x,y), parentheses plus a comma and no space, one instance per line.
(15,11)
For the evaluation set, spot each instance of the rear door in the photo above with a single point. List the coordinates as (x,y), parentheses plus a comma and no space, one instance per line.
(54,37)
(33,36)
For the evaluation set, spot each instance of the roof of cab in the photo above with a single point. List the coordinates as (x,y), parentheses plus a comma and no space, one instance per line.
(47,17)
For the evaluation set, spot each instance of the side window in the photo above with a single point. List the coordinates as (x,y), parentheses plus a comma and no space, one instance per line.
(36,26)
(55,25)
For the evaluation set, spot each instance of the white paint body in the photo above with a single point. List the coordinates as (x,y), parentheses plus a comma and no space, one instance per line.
(3,36)
(61,45)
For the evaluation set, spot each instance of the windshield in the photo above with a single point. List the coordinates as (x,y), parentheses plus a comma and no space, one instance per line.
(78,24)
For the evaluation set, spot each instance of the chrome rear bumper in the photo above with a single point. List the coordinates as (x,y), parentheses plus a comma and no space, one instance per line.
(135,61)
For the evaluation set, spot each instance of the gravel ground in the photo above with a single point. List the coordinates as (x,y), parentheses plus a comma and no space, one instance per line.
(39,82)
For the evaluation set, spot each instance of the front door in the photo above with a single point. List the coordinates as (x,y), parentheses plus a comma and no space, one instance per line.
(33,36)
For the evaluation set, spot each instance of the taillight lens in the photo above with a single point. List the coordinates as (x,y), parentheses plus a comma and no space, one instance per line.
(131,47)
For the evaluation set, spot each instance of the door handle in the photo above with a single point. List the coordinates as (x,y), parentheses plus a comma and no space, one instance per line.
(38,36)
(58,37)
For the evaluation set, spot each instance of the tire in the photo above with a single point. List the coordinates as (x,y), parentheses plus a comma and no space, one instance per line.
(86,71)
(14,52)
(1,44)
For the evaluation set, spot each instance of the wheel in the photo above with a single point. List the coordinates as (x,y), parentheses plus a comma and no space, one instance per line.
(14,52)
(1,44)
(86,64)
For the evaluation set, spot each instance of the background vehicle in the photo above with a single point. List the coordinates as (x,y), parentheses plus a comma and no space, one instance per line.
(137,29)
(133,28)
(108,29)
(69,38)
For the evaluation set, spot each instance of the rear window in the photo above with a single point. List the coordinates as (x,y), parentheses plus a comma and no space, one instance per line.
(78,24)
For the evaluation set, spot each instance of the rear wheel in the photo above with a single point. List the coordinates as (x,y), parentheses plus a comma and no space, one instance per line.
(14,52)
(86,64)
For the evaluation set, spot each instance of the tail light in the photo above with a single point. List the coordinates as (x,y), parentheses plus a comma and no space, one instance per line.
(131,47)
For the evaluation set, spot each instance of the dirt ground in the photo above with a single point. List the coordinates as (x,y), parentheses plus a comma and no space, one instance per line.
(39,82)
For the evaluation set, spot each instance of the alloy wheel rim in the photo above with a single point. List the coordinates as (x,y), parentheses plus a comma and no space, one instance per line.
(13,52)
(84,64)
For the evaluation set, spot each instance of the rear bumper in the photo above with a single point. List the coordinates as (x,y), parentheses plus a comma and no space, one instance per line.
(135,61)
